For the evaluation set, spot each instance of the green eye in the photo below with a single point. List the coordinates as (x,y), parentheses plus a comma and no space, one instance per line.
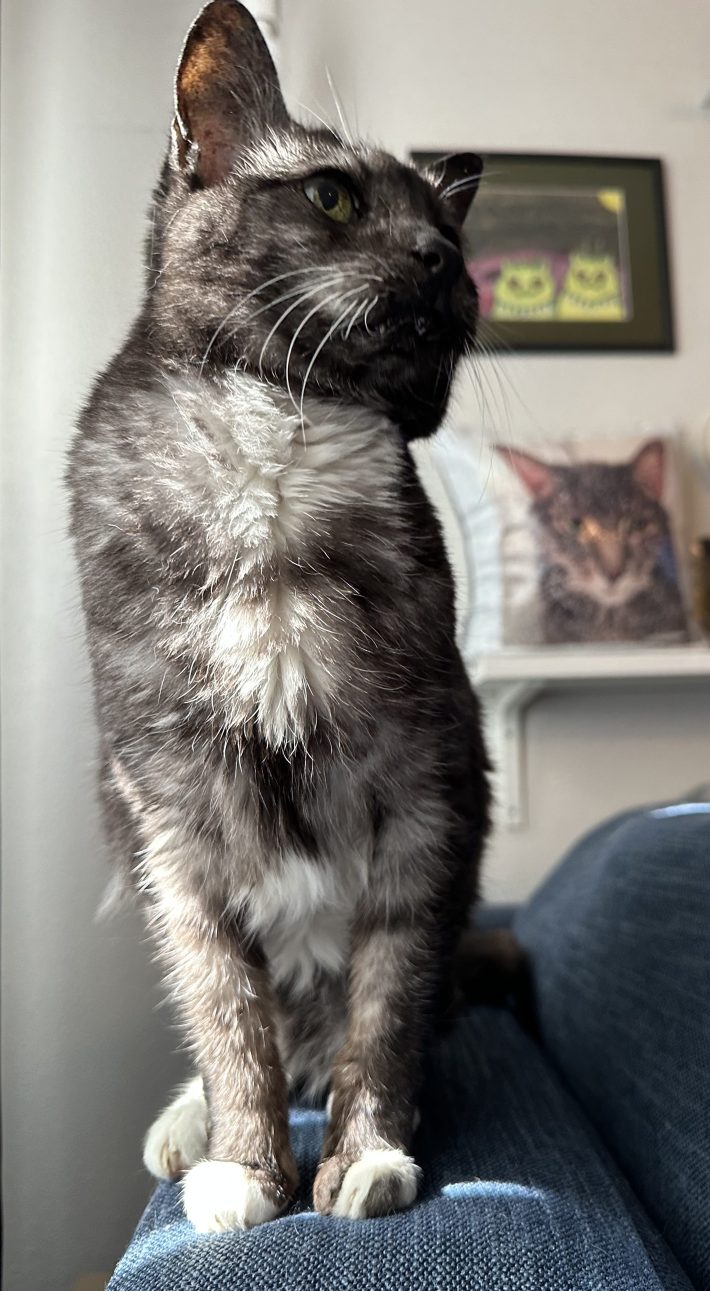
(331,197)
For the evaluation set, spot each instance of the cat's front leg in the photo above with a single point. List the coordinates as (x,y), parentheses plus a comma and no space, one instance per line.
(225,999)
(367,1169)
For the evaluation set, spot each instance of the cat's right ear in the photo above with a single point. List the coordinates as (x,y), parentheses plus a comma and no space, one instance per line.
(457,181)
(538,478)
(227,92)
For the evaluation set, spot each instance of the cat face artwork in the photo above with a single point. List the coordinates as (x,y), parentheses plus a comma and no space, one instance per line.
(524,289)
(591,289)
(607,564)
(293,776)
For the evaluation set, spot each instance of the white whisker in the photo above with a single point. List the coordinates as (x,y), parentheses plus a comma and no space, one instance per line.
(312,112)
(290,273)
(306,295)
(354,319)
(337,296)
(371,306)
(289,295)
(339,109)
(331,332)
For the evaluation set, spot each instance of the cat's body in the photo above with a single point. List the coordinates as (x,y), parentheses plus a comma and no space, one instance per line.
(293,773)
(267,701)
(607,564)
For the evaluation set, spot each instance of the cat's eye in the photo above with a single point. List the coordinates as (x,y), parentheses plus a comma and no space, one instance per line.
(331,196)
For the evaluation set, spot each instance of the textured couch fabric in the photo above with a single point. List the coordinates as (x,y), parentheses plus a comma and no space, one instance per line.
(534,1158)
(620,941)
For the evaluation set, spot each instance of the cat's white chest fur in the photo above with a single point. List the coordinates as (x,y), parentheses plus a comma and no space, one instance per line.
(302,911)
(271,485)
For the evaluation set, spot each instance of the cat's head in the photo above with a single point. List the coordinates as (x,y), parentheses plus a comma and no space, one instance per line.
(322,263)
(525,284)
(602,528)
(592,278)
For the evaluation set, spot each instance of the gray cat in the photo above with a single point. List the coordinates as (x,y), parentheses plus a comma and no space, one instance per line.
(293,773)
(608,570)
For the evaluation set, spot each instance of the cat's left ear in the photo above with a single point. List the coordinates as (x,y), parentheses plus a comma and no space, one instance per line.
(227,92)
(458,178)
(648,468)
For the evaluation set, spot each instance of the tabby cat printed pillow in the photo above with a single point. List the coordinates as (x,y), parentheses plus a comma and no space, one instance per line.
(569,543)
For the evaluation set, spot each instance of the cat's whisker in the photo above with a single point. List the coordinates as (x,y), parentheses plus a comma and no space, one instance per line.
(290,273)
(289,295)
(217,332)
(339,109)
(459,186)
(329,334)
(480,387)
(338,296)
(354,319)
(328,125)
(484,380)
(370,307)
(504,376)
(306,295)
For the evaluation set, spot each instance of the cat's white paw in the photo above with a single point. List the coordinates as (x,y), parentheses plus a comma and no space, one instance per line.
(380,1181)
(221,1195)
(178,1138)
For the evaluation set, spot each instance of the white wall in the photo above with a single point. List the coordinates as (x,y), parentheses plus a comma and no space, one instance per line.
(86,90)
(581,76)
(86,1059)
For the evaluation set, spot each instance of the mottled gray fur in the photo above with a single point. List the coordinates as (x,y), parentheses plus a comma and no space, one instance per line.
(293,775)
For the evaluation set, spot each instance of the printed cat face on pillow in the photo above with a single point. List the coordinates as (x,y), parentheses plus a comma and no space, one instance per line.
(322,264)
(607,564)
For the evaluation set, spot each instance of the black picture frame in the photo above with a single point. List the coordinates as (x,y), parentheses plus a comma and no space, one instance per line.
(536,193)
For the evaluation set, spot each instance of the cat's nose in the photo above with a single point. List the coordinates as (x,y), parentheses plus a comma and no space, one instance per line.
(611,554)
(439,258)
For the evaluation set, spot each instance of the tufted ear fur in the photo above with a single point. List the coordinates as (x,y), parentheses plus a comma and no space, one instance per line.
(459,176)
(648,467)
(538,478)
(227,92)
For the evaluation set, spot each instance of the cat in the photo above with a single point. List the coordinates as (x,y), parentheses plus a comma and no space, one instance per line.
(293,773)
(591,291)
(607,570)
(524,289)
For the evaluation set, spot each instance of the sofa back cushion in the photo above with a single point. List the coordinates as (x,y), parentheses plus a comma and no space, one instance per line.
(619,938)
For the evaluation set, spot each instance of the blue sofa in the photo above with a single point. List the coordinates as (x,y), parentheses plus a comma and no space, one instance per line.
(577,1161)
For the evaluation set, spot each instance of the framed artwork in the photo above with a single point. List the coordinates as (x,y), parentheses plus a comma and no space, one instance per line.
(569,253)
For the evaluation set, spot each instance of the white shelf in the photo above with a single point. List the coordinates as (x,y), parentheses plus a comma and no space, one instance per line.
(507,682)
(578,665)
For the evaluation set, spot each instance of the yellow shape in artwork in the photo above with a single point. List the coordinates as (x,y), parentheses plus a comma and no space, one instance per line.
(591,291)
(612,199)
(524,289)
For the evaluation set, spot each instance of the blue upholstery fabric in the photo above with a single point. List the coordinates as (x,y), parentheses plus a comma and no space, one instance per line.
(519,1195)
(620,941)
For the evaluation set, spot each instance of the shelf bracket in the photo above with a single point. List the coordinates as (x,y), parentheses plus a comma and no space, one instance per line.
(504,704)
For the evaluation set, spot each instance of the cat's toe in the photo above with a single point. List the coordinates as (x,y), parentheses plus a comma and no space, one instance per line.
(178,1138)
(222,1195)
(378,1182)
